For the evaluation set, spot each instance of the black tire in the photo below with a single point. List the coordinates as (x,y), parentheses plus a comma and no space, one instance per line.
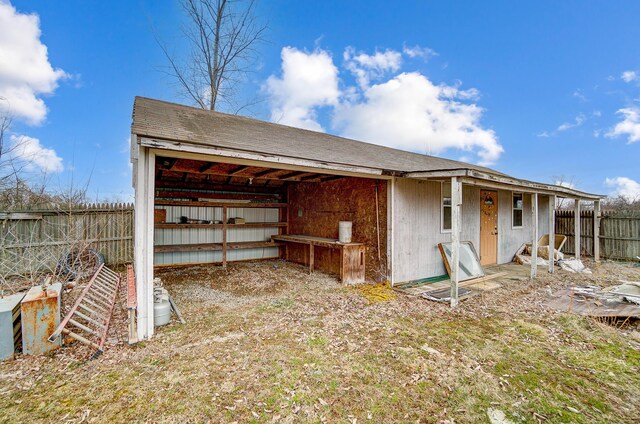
(78,263)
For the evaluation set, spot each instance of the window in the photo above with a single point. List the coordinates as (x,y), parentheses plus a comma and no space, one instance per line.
(446,207)
(517,210)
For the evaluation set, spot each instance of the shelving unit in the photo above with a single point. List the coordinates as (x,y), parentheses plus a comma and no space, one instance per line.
(225,245)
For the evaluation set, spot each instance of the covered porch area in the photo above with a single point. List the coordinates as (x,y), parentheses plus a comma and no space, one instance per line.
(532,214)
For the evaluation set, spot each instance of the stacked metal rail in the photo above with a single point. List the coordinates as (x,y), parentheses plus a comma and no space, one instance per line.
(88,320)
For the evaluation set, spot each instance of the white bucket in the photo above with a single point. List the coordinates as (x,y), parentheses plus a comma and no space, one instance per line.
(344,231)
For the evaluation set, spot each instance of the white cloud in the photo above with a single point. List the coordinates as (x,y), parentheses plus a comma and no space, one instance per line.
(25,71)
(625,187)
(417,51)
(370,67)
(580,95)
(29,150)
(629,126)
(309,81)
(629,76)
(409,112)
(579,120)
(406,111)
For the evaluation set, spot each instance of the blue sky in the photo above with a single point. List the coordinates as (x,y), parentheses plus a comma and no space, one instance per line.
(538,90)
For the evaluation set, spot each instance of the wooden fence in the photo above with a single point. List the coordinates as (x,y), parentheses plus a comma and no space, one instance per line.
(619,233)
(32,241)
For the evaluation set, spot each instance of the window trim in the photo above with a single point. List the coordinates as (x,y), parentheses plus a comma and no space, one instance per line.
(442,206)
(513,208)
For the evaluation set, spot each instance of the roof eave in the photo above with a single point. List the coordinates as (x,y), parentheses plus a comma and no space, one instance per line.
(471,176)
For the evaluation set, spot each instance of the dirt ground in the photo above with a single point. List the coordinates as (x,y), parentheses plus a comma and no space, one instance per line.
(267,342)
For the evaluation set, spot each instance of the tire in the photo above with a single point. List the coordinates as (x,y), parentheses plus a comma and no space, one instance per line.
(78,263)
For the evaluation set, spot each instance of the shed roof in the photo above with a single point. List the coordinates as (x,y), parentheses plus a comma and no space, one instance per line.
(169,121)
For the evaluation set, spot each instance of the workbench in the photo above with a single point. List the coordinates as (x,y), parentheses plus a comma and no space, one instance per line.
(352,255)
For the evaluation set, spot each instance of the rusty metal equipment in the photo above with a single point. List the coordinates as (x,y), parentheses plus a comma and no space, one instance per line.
(40,315)
(132,305)
(91,313)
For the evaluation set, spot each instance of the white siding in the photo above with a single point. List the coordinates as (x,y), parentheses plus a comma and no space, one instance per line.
(417,227)
(214,235)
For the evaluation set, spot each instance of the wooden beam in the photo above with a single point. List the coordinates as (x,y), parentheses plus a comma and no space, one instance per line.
(238,170)
(534,235)
(178,185)
(331,178)
(456,204)
(311,177)
(576,230)
(596,230)
(295,175)
(266,173)
(207,166)
(169,163)
(552,232)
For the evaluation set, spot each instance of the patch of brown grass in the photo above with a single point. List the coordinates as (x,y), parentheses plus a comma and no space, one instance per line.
(302,348)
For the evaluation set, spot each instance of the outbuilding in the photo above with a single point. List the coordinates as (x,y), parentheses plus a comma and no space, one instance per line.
(214,188)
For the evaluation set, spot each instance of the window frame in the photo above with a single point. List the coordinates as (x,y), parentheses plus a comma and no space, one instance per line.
(442,206)
(513,209)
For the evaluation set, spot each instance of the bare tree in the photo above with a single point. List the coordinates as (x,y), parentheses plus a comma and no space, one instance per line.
(223,36)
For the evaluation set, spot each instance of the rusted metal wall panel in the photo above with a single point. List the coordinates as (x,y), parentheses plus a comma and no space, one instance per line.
(40,315)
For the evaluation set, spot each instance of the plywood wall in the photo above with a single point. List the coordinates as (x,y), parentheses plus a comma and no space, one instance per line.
(316,208)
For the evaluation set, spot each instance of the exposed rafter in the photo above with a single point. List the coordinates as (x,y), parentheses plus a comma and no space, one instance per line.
(238,170)
(207,166)
(169,163)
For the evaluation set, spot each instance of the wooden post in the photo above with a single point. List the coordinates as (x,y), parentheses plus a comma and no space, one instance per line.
(596,230)
(534,235)
(144,196)
(552,231)
(456,201)
(311,258)
(224,236)
(576,231)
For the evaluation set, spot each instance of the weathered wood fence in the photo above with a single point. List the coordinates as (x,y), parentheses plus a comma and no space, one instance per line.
(33,241)
(619,233)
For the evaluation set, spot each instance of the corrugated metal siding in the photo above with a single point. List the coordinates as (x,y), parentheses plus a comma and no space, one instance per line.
(170,236)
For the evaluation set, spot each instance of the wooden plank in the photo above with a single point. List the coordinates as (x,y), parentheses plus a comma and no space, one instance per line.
(205,247)
(552,232)
(163,202)
(576,231)
(224,235)
(456,201)
(596,231)
(534,236)
(218,226)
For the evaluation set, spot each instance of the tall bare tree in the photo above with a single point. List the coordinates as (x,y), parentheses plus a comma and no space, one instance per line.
(223,36)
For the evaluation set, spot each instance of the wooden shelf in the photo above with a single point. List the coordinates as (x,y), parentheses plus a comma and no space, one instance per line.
(160,202)
(214,246)
(214,226)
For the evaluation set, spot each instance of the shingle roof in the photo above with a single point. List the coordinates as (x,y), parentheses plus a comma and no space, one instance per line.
(169,121)
(157,119)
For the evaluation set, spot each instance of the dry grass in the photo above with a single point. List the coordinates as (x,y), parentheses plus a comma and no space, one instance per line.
(266,342)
